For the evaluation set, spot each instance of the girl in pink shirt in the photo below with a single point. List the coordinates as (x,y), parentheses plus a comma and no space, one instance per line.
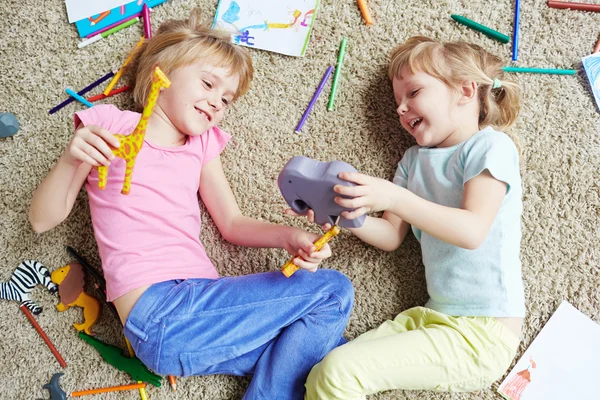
(182,318)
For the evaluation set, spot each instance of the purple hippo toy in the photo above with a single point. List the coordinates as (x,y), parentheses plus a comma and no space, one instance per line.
(308,184)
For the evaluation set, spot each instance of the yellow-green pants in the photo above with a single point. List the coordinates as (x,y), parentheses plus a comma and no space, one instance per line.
(420,349)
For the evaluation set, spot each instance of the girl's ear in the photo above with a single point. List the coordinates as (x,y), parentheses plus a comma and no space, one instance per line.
(468,92)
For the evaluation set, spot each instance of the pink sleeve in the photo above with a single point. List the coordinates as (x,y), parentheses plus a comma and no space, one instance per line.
(108,117)
(213,143)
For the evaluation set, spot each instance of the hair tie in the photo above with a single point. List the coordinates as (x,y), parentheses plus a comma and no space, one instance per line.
(497,84)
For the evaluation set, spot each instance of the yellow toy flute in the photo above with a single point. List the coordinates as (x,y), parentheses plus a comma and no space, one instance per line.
(289,268)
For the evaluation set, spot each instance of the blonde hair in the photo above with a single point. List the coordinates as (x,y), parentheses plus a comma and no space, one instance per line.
(178,43)
(456,62)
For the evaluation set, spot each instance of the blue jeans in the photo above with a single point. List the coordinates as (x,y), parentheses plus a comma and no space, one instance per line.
(264,325)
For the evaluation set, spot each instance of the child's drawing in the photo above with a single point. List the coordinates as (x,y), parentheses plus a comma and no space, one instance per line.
(592,70)
(514,387)
(282,26)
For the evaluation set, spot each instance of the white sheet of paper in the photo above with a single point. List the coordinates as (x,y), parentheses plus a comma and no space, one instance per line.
(282,26)
(566,354)
(80,9)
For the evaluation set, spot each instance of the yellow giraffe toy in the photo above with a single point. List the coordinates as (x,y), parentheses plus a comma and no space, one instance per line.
(130,145)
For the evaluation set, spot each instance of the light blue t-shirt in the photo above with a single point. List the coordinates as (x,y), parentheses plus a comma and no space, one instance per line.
(485,281)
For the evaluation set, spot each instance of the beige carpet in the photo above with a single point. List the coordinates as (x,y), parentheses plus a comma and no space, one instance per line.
(558,127)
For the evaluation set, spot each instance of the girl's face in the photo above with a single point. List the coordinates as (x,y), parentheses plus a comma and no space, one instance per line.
(427,108)
(198,97)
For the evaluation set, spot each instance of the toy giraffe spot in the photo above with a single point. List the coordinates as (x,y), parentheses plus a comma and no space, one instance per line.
(130,145)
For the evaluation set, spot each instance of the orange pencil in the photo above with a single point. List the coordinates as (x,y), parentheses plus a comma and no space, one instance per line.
(362,5)
(173,383)
(597,48)
(39,330)
(109,389)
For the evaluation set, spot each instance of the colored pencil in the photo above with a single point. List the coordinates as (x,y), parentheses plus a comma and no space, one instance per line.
(364,10)
(574,6)
(106,28)
(541,70)
(143,394)
(314,99)
(45,337)
(109,32)
(82,92)
(515,41)
(113,92)
(173,383)
(114,80)
(78,98)
(147,24)
(109,389)
(336,76)
(481,28)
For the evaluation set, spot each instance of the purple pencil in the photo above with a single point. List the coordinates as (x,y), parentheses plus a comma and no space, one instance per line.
(113,25)
(82,92)
(147,24)
(314,99)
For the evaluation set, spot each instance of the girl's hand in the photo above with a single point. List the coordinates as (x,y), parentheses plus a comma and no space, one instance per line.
(91,144)
(300,243)
(310,216)
(370,195)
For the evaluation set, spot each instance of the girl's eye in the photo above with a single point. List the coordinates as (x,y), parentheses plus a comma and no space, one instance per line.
(414,92)
(207,84)
(225,101)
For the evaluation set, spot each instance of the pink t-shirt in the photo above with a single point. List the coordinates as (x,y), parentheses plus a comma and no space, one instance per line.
(152,234)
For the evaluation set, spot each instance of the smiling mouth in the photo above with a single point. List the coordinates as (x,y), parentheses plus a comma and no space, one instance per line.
(414,123)
(204,113)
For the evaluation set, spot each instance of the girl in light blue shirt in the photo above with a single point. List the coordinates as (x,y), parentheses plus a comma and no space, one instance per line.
(459,189)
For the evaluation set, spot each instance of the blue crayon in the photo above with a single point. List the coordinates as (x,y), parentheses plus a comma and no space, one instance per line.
(78,97)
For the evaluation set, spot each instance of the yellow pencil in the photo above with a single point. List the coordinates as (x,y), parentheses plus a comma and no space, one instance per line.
(289,268)
(143,394)
(117,76)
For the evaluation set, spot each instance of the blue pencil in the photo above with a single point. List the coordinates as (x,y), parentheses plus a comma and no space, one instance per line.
(78,97)
(515,41)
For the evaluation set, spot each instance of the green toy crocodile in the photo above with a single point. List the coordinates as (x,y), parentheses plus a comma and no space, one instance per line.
(116,357)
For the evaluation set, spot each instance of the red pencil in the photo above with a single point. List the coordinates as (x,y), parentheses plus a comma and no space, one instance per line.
(574,6)
(38,328)
(112,93)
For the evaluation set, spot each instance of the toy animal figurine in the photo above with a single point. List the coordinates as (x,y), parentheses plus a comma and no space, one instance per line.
(56,393)
(70,290)
(28,275)
(130,145)
(117,358)
(9,125)
(306,183)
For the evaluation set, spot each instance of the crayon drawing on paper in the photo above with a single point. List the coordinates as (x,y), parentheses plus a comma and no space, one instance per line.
(281,26)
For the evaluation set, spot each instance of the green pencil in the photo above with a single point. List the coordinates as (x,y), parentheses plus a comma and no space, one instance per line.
(481,28)
(540,70)
(336,75)
(119,27)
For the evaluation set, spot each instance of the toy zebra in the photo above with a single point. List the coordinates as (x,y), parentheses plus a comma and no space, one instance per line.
(28,275)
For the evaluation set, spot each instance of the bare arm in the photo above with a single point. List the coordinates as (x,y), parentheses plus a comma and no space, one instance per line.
(245,231)
(54,198)
(464,227)
(386,233)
